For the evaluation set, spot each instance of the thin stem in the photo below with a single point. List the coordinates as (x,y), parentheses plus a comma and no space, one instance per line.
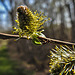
(43,40)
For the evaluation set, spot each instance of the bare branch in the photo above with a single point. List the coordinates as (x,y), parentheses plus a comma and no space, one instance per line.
(43,40)
(56,42)
(9,36)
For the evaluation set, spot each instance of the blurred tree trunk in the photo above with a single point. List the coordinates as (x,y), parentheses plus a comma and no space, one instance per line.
(52,15)
(52,33)
(73,21)
(13,6)
(62,26)
(26,2)
(11,12)
(73,31)
(71,9)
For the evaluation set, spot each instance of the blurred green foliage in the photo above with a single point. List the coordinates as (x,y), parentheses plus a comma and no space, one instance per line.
(6,66)
(9,67)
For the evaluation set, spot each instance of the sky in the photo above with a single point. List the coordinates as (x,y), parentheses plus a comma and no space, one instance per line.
(31,1)
(4,15)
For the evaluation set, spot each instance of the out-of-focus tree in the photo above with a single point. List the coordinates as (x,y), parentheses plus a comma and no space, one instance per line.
(62,24)
(13,4)
(61,12)
(10,11)
(72,10)
(70,4)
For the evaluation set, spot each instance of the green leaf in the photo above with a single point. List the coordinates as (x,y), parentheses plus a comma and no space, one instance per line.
(35,40)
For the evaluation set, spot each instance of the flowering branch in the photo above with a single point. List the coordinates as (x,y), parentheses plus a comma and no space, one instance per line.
(42,39)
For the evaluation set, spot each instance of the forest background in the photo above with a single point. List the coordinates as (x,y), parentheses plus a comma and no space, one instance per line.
(23,57)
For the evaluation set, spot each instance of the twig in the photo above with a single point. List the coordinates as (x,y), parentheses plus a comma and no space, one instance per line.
(44,40)
(9,36)
(56,42)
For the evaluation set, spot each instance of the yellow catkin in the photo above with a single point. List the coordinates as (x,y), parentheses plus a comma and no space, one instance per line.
(29,22)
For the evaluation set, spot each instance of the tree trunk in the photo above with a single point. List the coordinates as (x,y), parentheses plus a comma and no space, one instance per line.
(73,22)
(72,16)
(62,26)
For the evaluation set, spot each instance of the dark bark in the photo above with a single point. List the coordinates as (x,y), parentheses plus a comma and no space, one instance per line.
(62,25)
(11,12)
(72,17)
(73,22)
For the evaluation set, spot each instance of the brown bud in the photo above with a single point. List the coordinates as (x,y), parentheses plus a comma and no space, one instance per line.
(22,9)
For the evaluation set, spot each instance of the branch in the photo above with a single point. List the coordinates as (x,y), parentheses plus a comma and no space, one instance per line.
(44,40)
(9,36)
